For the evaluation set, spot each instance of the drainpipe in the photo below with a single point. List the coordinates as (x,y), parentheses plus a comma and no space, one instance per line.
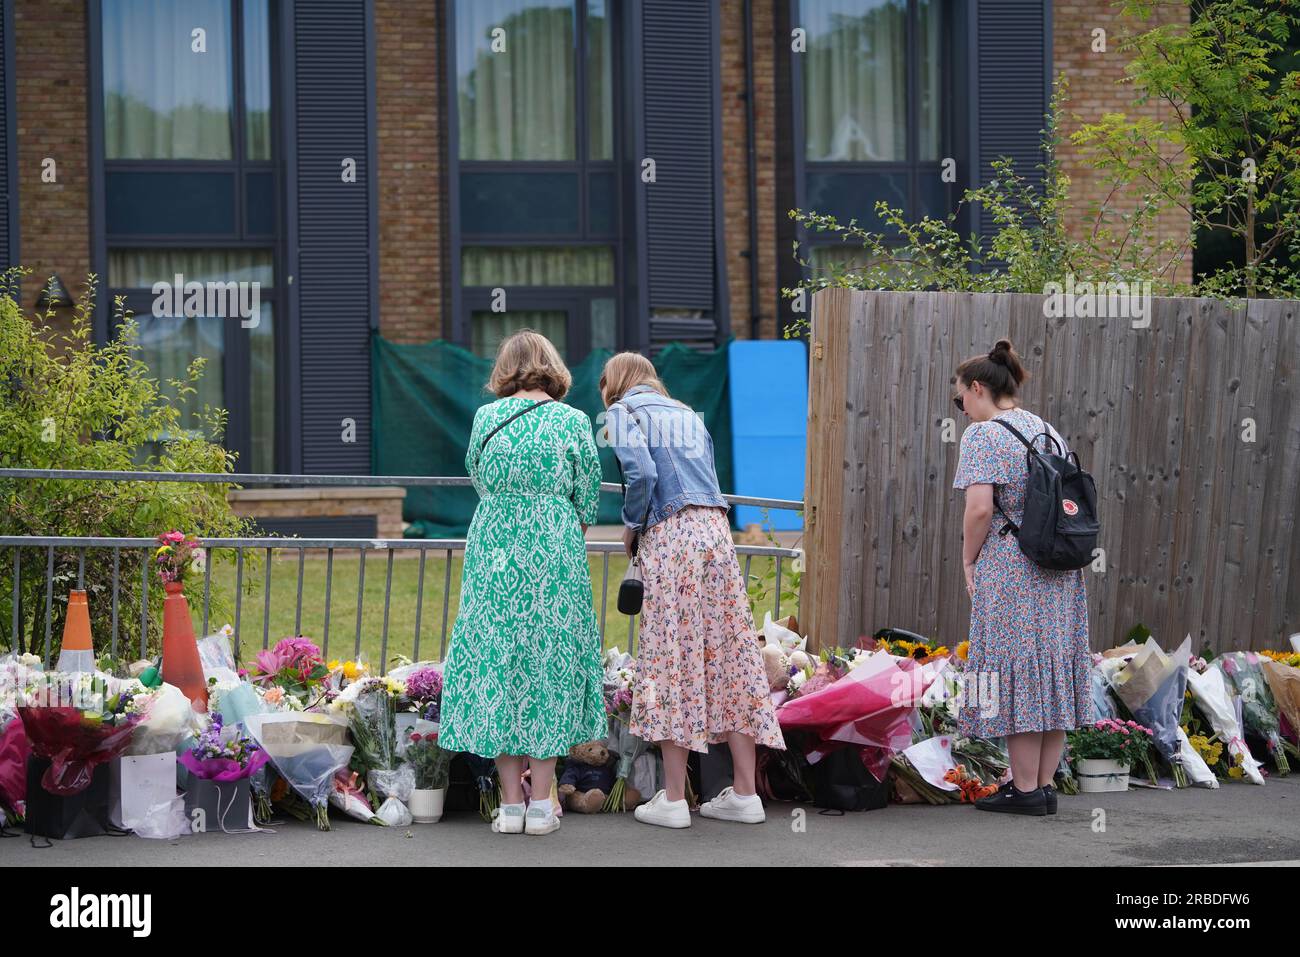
(755,313)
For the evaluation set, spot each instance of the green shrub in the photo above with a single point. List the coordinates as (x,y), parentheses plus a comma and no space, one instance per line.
(67,402)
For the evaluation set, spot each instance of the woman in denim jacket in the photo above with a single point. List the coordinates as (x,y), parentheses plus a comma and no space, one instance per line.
(699,671)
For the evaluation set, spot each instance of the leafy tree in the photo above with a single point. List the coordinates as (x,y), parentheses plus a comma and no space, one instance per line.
(68,403)
(1227,150)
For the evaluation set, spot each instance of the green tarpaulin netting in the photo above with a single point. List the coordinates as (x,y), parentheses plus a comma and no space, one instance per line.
(425,397)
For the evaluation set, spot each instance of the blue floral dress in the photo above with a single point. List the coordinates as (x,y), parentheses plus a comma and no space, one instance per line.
(1029,661)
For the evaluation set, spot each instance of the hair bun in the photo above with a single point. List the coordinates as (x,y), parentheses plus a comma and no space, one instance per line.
(1001,352)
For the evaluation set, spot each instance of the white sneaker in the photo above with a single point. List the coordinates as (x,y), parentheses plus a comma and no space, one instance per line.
(730,806)
(508,819)
(663,812)
(540,822)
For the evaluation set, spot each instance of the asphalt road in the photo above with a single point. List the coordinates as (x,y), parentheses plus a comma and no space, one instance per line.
(1237,824)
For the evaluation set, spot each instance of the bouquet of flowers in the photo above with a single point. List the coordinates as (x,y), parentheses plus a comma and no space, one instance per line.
(177,555)
(424,692)
(223,753)
(620,671)
(484,771)
(164,715)
(1244,671)
(370,707)
(307,750)
(1214,699)
(628,747)
(68,721)
(296,667)
(1284,682)
(350,798)
(1151,685)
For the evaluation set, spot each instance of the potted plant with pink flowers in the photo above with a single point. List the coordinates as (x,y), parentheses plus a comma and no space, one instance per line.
(1105,751)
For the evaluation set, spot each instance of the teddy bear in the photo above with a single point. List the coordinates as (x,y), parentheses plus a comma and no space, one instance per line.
(782,650)
(588,777)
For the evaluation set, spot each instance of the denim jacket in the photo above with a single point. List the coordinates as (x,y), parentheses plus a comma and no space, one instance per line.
(666,455)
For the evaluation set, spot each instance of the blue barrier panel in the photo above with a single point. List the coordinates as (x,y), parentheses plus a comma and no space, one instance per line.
(769,425)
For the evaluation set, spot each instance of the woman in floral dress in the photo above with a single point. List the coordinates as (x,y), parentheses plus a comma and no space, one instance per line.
(699,673)
(523,677)
(1028,666)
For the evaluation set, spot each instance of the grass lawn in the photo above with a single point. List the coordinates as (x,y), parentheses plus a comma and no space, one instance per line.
(342,641)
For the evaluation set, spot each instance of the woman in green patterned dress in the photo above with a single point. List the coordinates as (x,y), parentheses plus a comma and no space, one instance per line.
(523,677)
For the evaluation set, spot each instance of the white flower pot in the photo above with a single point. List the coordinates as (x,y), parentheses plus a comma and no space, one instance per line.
(1097,775)
(426,804)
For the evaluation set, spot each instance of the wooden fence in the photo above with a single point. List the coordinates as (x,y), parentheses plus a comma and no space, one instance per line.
(1198,512)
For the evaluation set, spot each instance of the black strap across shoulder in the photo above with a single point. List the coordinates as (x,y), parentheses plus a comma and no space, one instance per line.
(648,497)
(503,424)
(1010,526)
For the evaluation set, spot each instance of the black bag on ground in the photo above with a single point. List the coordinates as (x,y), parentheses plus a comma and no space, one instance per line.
(1060,527)
(84,814)
(841,782)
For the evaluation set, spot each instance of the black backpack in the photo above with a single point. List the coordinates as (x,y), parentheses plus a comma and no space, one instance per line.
(1060,526)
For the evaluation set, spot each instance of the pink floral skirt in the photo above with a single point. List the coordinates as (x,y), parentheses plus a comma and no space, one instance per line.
(699,671)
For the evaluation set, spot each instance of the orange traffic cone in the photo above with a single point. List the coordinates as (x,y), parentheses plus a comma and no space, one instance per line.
(77,652)
(180,660)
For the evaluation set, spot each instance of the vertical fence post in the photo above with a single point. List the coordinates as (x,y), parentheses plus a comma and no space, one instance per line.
(419,604)
(144,604)
(329,585)
(208,559)
(446,607)
(297,613)
(266,602)
(388,591)
(239,596)
(17,598)
(117,559)
(361,599)
(49,602)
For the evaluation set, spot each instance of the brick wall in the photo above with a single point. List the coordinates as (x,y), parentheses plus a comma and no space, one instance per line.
(1095,89)
(735,169)
(412,216)
(50,88)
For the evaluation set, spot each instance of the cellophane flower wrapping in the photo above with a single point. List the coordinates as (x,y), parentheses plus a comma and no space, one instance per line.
(223,753)
(871,706)
(75,743)
(628,747)
(1213,696)
(1152,686)
(1244,671)
(1284,682)
(166,718)
(306,751)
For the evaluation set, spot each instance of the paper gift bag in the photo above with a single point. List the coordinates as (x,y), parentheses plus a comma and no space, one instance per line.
(219,805)
(84,814)
(137,783)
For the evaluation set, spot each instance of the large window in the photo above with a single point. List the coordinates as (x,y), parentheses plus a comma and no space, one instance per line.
(875,118)
(538,211)
(190,196)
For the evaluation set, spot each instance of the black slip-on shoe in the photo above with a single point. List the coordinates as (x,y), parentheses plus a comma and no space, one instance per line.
(1010,800)
(1049,797)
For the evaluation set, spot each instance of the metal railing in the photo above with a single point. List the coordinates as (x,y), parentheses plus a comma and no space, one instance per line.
(123,549)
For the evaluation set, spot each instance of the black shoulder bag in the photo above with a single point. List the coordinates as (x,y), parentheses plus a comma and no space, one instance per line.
(631,591)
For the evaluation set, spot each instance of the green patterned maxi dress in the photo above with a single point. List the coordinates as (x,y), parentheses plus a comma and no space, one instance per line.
(524,674)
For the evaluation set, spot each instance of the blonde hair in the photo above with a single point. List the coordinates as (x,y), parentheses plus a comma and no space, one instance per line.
(527,360)
(624,371)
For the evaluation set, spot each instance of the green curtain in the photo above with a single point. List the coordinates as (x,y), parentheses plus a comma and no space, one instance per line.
(425,397)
